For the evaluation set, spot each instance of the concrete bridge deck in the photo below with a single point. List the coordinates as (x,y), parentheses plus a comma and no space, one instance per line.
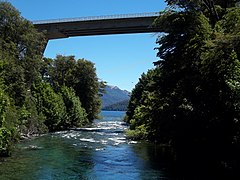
(98,25)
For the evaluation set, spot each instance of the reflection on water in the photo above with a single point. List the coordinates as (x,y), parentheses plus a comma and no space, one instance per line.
(99,152)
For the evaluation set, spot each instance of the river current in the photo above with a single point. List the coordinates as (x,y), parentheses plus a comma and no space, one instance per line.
(99,152)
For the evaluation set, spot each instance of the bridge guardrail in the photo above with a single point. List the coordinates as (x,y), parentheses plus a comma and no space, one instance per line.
(92,18)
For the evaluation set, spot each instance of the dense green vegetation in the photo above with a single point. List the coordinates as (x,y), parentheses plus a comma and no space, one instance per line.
(120,106)
(38,94)
(190,100)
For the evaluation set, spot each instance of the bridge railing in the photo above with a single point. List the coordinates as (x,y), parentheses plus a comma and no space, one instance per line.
(92,18)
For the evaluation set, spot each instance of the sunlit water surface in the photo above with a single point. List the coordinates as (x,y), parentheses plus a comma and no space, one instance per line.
(99,152)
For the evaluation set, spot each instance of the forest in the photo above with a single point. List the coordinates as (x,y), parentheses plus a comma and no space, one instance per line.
(120,106)
(190,101)
(37,94)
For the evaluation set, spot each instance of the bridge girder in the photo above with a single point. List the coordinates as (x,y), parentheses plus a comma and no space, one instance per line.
(87,27)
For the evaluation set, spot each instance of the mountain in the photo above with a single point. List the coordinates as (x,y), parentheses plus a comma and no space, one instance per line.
(114,95)
(120,106)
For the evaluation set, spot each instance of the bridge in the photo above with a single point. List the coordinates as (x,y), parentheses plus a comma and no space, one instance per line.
(98,25)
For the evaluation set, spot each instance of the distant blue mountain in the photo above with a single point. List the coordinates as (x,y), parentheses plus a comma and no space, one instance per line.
(114,95)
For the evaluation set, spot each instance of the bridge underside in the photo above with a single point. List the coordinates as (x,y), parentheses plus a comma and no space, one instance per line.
(56,30)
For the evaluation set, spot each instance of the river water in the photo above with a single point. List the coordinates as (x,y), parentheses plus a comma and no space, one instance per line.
(99,152)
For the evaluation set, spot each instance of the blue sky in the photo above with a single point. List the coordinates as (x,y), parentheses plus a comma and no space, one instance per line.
(119,59)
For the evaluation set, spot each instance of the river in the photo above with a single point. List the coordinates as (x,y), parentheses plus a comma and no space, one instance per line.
(99,152)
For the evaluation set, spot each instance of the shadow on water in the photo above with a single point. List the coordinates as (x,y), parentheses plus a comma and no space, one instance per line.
(154,160)
(192,163)
(207,162)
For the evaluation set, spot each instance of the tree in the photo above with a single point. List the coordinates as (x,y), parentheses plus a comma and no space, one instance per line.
(191,101)
(23,47)
(50,104)
(141,113)
(20,48)
(30,119)
(135,98)
(81,76)
(76,115)
(87,87)
(6,132)
(213,9)
(61,71)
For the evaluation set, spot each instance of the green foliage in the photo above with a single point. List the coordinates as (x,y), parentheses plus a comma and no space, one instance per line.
(6,132)
(30,120)
(201,4)
(87,88)
(149,109)
(21,47)
(81,76)
(120,106)
(139,133)
(191,99)
(212,9)
(62,70)
(5,141)
(136,95)
(57,111)
(50,104)
(3,105)
(76,115)
(230,21)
